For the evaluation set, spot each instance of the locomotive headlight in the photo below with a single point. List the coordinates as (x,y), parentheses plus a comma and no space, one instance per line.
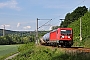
(68,36)
(62,36)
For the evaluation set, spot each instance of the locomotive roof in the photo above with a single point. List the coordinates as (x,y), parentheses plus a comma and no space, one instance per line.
(62,28)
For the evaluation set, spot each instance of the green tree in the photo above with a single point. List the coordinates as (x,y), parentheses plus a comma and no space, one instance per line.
(71,17)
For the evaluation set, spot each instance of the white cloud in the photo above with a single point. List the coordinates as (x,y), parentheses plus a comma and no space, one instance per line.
(10,4)
(6,26)
(27,27)
(50,28)
(18,24)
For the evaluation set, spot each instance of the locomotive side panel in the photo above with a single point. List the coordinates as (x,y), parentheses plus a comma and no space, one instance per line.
(53,36)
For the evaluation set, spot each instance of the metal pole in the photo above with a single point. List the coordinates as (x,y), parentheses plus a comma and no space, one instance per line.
(37,32)
(3,30)
(80,31)
(37,40)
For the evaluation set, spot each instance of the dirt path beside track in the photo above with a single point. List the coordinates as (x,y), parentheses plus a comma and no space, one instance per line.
(71,49)
(10,57)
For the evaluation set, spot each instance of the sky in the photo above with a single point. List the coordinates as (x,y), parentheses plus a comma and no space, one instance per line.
(21,15)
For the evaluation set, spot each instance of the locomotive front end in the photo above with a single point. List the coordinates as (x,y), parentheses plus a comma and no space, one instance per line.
(66,37)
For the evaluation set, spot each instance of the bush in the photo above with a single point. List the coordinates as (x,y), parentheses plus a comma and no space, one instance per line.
(32,52)
(8,40)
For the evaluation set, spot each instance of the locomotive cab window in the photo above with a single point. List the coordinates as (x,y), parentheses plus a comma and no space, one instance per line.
(65,31)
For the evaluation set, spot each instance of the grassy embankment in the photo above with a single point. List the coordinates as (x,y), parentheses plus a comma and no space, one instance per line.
(7,50)
(85,31)
(32,52)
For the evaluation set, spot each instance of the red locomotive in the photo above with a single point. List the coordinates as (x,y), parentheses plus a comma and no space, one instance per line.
(60,36)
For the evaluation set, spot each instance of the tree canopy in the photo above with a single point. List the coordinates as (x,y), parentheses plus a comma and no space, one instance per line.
(71,17)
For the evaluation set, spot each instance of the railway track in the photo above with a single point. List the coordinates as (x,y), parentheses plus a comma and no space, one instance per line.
(78,49)
(71,49)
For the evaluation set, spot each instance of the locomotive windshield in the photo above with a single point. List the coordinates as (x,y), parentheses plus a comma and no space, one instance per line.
(65,31)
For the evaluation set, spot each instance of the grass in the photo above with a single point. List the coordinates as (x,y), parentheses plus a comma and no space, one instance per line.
(33,52)
(6,50)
